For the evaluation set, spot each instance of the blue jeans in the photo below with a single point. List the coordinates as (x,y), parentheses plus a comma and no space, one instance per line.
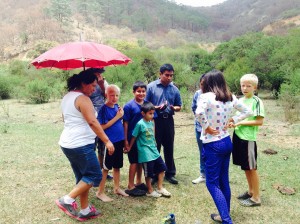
(200,147)
(216,157)
(85,164)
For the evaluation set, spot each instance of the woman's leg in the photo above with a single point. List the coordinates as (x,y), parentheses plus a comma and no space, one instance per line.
(213,164)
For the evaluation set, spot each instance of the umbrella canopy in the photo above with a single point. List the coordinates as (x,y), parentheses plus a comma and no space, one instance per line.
(80,55)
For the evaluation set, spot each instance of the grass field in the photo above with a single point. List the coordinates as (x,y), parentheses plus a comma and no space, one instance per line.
(34,172)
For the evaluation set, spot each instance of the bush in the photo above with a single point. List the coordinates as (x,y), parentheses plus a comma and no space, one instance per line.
(290,97)
(38,92)
(5,88)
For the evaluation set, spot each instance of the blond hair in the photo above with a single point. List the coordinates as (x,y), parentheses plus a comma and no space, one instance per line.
(252,78)
(112,87)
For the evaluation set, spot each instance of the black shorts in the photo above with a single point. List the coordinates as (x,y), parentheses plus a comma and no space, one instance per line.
(154,167)
(116,159)
(133,154)
(100,146)
(244,153)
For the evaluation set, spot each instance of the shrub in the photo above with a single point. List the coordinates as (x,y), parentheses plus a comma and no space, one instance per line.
(290,97)
(38,92)
(5,88)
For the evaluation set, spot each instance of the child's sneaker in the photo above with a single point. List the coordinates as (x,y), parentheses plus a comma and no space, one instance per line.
(153,194)
(94,213)
(69,209)
(170,219)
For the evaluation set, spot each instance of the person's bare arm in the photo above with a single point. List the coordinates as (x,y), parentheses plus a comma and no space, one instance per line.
(257,122)
(126,143)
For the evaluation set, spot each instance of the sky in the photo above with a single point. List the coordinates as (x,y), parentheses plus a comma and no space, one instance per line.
(199,2)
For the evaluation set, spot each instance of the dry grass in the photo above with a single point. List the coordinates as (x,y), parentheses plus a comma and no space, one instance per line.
(34,172)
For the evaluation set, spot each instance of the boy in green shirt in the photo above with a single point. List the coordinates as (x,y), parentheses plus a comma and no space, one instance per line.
(244,151)
(148,154)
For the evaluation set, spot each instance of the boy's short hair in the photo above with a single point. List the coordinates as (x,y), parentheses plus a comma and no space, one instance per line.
(147,106)
(250,78)
(139,84)
(112,87)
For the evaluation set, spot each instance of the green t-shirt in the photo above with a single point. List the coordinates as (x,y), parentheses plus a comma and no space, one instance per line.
(145,140)
(245,132)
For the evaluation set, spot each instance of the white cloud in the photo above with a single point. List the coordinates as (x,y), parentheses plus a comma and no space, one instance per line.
(199,2)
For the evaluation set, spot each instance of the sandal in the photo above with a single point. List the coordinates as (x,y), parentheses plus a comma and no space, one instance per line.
(244,196)
(164,192)
(216,218)
(153,194)
(249,203)
(142,187)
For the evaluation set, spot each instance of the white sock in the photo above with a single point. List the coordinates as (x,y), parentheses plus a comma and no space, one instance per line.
(85,211)
(68,199)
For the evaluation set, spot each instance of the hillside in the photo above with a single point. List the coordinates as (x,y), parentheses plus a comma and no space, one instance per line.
(150,23)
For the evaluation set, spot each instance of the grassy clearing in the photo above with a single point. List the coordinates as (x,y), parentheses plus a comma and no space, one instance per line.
(34,172)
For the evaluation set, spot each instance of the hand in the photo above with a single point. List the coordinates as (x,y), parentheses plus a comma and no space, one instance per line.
(120,112)
(110,147)
(211,131)
(126,147)
(163,106)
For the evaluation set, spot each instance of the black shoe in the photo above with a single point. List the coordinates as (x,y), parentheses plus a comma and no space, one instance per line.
(135,192)
(142,187)
(216,218)
(172,180)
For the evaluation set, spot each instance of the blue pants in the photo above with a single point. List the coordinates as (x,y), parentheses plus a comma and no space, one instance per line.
(216,157)
(200,145)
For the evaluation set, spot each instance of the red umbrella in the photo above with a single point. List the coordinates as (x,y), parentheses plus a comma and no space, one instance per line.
(80,55)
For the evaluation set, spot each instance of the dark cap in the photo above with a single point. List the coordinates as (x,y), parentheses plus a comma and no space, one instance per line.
(97,70)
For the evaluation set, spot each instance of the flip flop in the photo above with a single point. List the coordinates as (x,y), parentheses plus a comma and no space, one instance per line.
(215,217)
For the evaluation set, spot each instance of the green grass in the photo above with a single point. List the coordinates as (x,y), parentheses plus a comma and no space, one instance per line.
(34,172)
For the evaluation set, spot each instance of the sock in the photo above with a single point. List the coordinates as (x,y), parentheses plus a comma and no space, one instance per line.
(68,199)
(85,211)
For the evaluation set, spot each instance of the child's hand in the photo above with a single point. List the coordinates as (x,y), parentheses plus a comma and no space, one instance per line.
(120,112)
(126,150)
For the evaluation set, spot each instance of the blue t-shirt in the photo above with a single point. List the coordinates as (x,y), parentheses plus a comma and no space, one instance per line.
(145,141)
(194,107)
(97,98)
(115,133)
(157,94)
(132,115)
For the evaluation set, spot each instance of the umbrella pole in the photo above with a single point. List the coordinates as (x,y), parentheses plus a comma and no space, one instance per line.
(83,66)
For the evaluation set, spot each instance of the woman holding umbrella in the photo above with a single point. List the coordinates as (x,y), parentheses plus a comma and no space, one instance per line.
(77,142)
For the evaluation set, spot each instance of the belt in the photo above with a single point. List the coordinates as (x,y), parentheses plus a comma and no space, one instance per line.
(164,115)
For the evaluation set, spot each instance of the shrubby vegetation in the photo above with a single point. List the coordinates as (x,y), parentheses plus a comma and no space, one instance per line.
(275,60)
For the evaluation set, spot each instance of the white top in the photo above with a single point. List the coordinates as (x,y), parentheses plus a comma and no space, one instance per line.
(216,114)
(77,132)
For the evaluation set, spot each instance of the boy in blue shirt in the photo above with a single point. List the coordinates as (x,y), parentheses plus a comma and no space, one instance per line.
(148,154)
(110,117)
(132,115)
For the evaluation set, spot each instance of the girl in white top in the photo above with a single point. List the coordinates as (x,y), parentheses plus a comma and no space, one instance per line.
(77,142)
(215,107)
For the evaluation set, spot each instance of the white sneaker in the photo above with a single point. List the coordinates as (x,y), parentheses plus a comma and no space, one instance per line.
(199,180)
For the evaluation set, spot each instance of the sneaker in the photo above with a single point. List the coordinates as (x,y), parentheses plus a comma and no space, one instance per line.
(244,196)
(135,192)
(170,219)
(109,177)
(249,203)
(142,187)
(164,192)
(153,194)
(69,209)
(199,180)
(94,213)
